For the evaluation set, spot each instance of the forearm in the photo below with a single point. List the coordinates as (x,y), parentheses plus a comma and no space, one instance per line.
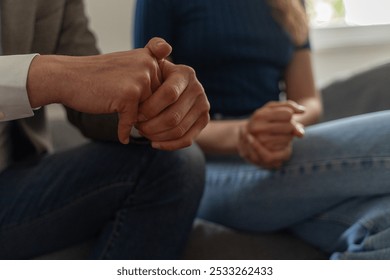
(301,88)
(220,137)
(312,113)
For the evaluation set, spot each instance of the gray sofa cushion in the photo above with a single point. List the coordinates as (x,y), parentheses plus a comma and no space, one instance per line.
(364,92)
(215,242)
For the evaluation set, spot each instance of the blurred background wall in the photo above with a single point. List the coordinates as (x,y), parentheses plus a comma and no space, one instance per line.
(337,51)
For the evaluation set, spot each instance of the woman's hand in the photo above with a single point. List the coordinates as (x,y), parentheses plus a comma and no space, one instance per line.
(266,138)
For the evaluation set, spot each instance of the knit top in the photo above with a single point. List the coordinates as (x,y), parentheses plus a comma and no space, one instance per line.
(237,49)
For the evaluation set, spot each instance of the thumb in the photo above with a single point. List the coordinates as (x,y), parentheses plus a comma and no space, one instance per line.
(299,129)
(159,48)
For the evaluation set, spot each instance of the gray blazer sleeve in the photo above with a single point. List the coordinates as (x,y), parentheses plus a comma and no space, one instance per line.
(77,39)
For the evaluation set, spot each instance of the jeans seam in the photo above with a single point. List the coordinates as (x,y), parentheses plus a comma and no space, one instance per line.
(118,224)
(119,221)
(106,252)
(311,167)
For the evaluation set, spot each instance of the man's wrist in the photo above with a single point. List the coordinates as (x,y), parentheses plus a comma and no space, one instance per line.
(41,81)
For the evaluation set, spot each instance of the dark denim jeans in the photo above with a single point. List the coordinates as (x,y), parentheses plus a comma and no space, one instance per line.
(139,203)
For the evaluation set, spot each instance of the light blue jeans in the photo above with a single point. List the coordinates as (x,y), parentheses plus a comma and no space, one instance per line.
(334,192)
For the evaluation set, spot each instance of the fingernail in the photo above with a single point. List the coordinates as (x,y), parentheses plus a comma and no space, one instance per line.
(159,43)
(301,129)
(302,108)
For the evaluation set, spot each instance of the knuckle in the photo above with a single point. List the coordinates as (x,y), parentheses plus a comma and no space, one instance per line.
(131,92)
(144,81)
(172,94)
(202,121)
(204,110)
(180,131)
(206,119)
(204,102)
(187,69)
(174,120)
(148,61)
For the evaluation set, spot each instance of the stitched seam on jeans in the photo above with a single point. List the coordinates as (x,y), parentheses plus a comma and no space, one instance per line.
(106,252)
(340,159)
(312,167)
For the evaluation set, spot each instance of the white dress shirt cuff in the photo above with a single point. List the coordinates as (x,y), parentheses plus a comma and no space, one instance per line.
(14,101)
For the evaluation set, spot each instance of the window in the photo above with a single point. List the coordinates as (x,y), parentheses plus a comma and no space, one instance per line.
(330,13)
(348,23)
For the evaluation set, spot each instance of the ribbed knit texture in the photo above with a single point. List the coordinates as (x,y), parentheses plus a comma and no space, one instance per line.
(236,47)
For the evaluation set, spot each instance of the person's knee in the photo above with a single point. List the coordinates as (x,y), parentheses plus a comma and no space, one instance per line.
(188,167)
(171,177)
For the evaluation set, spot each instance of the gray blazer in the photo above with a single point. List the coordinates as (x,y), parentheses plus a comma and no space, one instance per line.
(50,27)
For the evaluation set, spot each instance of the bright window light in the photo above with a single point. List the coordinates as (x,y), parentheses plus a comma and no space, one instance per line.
(323,12)
(348,12)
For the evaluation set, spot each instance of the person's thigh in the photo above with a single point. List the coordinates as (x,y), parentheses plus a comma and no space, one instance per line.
(69,197)
(333,163)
